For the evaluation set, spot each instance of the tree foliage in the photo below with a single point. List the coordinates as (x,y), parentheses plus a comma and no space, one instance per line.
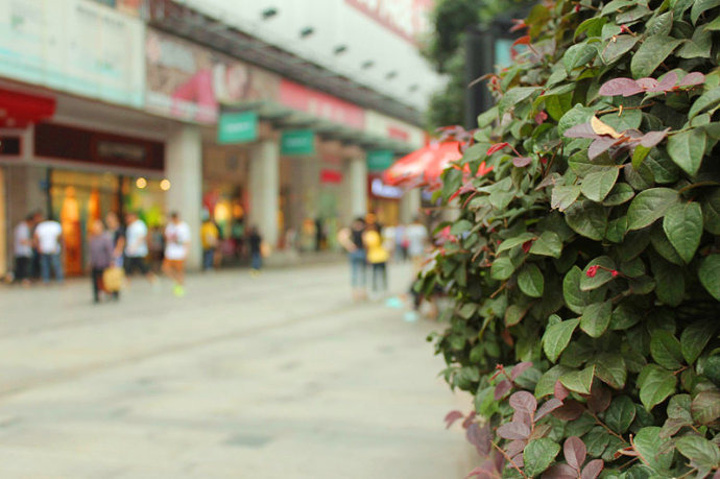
(586,264)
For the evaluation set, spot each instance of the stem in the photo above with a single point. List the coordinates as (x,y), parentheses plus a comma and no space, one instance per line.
(509,459)
(625,108)
(697,185)
(502,287)
(600,423)
(675,373)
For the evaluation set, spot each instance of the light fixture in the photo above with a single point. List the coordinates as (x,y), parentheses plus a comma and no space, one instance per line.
(340,49)
(306,32)
(368,64)
(165,184)
(269,13)
(390,75)
(141,183)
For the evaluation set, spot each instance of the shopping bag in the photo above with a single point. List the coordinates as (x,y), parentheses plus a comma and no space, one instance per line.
(113,279)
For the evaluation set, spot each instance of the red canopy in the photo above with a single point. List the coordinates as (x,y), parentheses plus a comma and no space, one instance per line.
(423,167)
(18,110)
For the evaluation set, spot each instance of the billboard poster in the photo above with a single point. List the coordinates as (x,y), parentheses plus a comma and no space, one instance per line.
(407,18)
(321,105)
(77,46)
(188,82)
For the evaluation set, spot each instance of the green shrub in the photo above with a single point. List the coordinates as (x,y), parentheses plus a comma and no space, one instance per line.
(585,267)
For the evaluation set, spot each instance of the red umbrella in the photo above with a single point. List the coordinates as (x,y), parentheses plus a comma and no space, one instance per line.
(423,167)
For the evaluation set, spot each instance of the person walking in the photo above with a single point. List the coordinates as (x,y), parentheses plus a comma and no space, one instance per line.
(23,250)
(417,241)
(177,242)
(378,257)
(255,242)
(101,256)
(136,246)
(48,236)
(352,240)
(209,236)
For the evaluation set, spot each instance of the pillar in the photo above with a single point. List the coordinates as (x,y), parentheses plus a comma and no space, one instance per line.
(183,168)
(358,185)
(264,190)
(410,205)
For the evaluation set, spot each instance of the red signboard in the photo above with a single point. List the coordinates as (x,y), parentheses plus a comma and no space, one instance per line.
(407,18)
(321,105)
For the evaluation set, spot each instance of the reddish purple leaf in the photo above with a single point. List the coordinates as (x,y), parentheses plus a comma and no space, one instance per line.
(468,420)
(716,475)
(497,147)
(549,406)
(523,417)
(569,411)
(652,138)
(520,368)
(481,473)
(515,448)
(560,471)
(583,130)
(513,430)
(600,398)
(620,86)
(593,469)
(451,417)
(521,161)
(575,452)
(647,83)
(523,401)
(692,79)
(502,389)
(481,438)
(560,391)
(666,84)
(600,146)
(519,460)
(498,460)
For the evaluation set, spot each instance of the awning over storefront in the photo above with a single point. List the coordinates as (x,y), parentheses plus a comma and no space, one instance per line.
(423,167)
(18,110)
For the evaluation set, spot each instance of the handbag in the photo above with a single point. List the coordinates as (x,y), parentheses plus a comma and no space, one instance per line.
(113,279)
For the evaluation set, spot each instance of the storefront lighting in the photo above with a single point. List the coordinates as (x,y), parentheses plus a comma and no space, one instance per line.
(141,183)
(165,185)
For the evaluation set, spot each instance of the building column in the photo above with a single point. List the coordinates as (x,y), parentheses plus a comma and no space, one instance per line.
(357,187)
(410,205)
(264,187)
(183,167)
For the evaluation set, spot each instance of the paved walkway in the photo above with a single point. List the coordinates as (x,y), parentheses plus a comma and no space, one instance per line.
(275,377)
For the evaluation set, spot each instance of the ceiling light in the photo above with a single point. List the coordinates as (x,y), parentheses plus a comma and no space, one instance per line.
(368,64)
(340,49)
(141,183)
(165,185)
(306,32)
(269,13)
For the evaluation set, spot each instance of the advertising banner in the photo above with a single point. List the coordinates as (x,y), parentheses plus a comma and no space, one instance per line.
(406,18)
(188,82)
(321,105)
(297,142)
(76,46)
(379,160)
(386,127)
(237,127)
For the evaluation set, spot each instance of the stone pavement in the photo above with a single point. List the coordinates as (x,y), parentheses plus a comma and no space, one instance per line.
(273,377)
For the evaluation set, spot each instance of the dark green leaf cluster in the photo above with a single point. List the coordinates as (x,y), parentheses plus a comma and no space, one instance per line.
(590,254)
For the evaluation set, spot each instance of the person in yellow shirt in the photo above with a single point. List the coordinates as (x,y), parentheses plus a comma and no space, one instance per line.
(209,236)
(377,256)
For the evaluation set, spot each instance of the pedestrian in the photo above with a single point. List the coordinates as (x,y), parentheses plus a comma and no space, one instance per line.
(417,242)
(48,236)
(177,242)
(378,257)
(101,256)
(136,246)
(117,233)
(209,236)
(255,242)
(352,240)
(23,250)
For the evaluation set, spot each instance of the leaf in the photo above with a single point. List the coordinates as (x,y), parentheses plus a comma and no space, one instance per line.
(513,97)
(652,52)
(694,338)
(700,6)
(496,147)
(597,185)
(705,407)
(548,244)
(709,274)
(619,194)
(709,99)
(650,205)
(652,448)
(703,454)
(502,388)
(514,314)
(576,299)
(502,268)
(514,241)
(603,266)
(601,128)
(596,318)
(523,401)
(661,25)
(531,281)
(513,430)
(687,149)
(620,415)
(665,349)
(575,452)
(683,225)
(620,86)
(520,368)
(557,337)
(539,454)
(564,196)
(610,368)
(693,79)
(549,406)
(617,47)
(593,469)
(656,384)
(711,212)
(587,219)
(670,282)
(560,471)
(579,381)
(451,417)
(578,55)
(641,152)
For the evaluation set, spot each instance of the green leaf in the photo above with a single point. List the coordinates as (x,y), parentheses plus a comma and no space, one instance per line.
(694,338)
(661,25)
(687,149)
(515,96)
(546,384)
(707,100)
(665,349)
(514,241)
(597,185)
(596,318)
(502,268)
(617,47)
(616,230)
(650,205)
(557,337)
(656,384)
(683,225)
(711,211)
(578,55)
(624,317)
(653,449)
(621,193)
(576,299)
(591,26)
(514,314)
(705,407)
(460,227)
(587,219)
(564,196)
(709,274)
(602,274)
(705,455)
(579,381)
(700,6)
(620,415)
(652,52)
(639,156)
(538,455)
(548,244)
(531,281)
(663,247)
(669,280)
(611,369)
(577,115)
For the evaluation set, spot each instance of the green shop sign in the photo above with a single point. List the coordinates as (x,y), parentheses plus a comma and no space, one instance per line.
(379,160)
(297,142)
(237,127)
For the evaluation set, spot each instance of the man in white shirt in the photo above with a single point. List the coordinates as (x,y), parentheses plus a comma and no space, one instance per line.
(136,246)
(48,236)
(23,250)
(177,241)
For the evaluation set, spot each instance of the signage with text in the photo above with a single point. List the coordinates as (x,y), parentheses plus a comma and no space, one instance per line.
(297,142)
(237,127)
(380,160)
